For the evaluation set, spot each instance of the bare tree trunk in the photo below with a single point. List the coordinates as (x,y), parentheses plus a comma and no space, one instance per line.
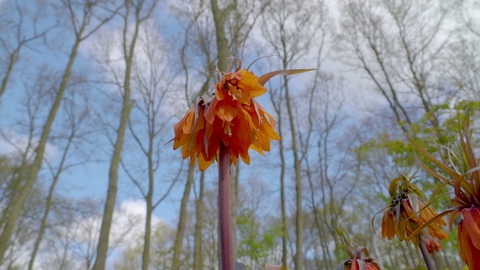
(48,203)
(128,52)
(197,256)
(284,208)
(17,202)
(291,46)
(177,246)
(148,221)
(219,17)
(298,182)
(282,180)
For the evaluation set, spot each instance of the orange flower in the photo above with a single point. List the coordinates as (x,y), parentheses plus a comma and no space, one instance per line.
(462,170)
(190,134)
(232,118)
(359,260)
(240,86)
(432,243)
(469,236)
(358,255)
(407,212)
(357,264)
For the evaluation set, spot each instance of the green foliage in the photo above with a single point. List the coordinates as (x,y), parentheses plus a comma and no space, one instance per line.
(426,135)
(423,133)
(257,240)
(429,137)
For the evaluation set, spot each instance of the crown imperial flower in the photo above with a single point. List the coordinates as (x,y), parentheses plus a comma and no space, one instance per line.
(408,211)
(232,118)
(359,258)
(461,170)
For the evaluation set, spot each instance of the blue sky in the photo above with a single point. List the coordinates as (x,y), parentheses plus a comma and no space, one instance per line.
(90,180)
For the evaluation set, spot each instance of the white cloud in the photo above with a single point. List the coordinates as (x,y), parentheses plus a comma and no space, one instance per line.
(80,236)
(128,224)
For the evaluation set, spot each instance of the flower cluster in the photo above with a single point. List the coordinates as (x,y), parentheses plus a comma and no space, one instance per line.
(359,258)
(408,211)
(359,263)
(432,244)
(461,170)
(232,118)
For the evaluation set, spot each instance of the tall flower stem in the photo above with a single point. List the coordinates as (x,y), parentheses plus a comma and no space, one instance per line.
(224,209)
(426,257)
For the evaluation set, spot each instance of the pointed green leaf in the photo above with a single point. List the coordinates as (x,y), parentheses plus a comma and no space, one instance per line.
(453,174)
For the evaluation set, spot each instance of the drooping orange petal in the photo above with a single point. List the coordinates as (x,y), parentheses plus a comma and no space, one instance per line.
(189,121)
(226,110)
(210,113)
(438,233)
(354,265)
(471,219)
(468,252)
(246,158)
(400,231)
(249,82)
(213,148)
(268,131)
(257,149)
(180,140)
(203,163)
(373,266)
(388,225)
(241,127)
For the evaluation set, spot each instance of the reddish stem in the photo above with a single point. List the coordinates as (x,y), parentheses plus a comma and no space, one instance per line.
(426,257)
(224,209)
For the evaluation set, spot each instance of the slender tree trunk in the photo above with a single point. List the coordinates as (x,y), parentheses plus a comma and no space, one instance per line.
(107,217)
(318,223)
(298,183)
(11,62)
(197,255)
(16,203)
(149,202)
(284,228)
(102,248)
(148,233)
(48,204)
(219,17)
(177,247)
(282,196)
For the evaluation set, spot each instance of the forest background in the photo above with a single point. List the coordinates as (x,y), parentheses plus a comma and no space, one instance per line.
(90,91)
